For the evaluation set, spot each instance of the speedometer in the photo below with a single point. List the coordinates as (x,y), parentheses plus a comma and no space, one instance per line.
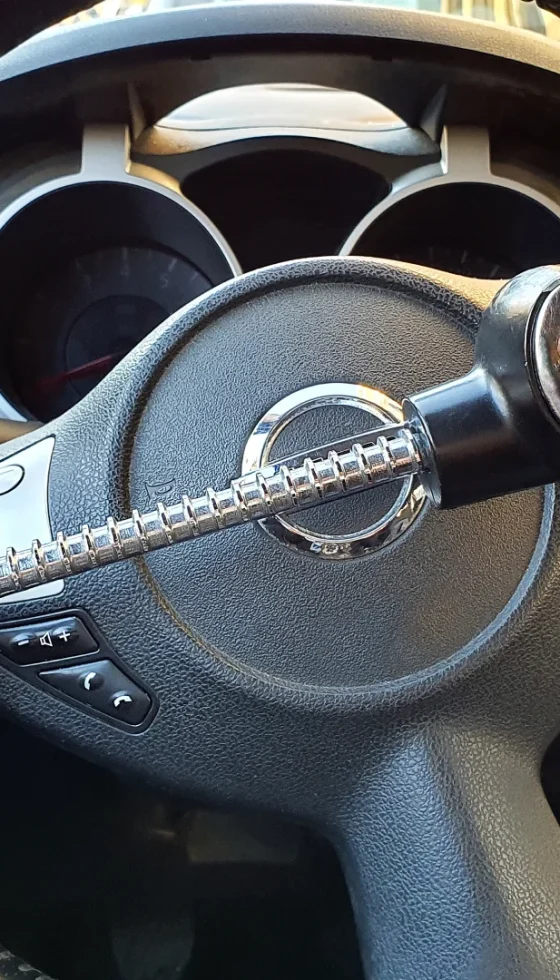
(477,229)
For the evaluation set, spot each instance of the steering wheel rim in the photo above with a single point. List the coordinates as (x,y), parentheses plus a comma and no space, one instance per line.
(462,883)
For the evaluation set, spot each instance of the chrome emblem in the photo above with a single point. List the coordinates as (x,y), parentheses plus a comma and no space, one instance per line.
(394,523)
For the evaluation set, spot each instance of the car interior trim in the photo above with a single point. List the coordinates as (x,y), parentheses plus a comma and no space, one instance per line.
(465,159)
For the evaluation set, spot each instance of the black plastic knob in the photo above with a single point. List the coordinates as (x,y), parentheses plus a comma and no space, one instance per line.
(493,431)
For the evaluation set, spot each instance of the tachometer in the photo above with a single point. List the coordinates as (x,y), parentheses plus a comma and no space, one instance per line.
(86,318)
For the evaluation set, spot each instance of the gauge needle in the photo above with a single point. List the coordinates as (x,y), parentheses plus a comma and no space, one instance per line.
(97,366)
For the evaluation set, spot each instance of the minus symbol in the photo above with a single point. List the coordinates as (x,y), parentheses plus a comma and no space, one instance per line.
(23,643)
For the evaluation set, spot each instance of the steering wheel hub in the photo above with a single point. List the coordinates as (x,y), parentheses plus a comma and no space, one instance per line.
(253,343)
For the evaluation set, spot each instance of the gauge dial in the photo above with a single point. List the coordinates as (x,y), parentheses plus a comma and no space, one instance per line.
(481,230)
(461,261)
(86,319)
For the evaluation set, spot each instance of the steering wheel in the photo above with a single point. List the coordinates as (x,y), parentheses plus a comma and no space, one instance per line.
(400,703)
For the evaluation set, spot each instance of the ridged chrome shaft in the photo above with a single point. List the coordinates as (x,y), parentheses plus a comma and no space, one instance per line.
(273,489)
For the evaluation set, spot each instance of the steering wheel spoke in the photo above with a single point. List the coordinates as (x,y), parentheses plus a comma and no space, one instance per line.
(452,857)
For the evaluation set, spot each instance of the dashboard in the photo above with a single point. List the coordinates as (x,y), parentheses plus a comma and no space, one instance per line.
(112,219)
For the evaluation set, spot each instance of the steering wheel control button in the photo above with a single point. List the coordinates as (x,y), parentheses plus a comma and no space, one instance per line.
(24,512)
(22,644)
(65,638)
(10,478)
(125,704)
(103,686)
(48,640)
(92,681)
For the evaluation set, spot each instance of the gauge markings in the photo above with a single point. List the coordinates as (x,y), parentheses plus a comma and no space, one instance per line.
(87,318)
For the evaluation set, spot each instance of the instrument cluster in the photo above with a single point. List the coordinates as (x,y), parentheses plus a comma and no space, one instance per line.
(95,257)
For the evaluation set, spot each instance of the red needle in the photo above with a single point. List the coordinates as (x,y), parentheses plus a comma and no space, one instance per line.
(100,364)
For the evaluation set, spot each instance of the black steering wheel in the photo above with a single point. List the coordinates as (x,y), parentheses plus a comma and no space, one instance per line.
(401,703)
